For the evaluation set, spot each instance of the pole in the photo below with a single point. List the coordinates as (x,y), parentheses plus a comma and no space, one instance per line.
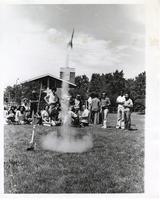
(39,97)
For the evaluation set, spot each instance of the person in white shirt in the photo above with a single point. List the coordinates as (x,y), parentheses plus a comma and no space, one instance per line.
(128,104)
(25,103)
(120,111)
(77,103)
(51,99)
(20,115)
(72,117)
(84,117)
(45,117)
(89,103)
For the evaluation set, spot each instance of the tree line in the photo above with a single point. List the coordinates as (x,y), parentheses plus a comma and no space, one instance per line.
(111,83)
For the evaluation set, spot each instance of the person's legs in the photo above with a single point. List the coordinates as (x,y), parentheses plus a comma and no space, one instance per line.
(105,114)
(31,112)
(128,119)
(90,121)
(102,115)
(95,118)
(122,119)
(119,118)
(51,111)
(92,117)
(97,121)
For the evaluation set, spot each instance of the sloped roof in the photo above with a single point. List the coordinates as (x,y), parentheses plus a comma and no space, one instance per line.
(45,75)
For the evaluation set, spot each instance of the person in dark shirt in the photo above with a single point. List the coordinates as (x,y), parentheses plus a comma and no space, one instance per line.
(95,108)
(33,104)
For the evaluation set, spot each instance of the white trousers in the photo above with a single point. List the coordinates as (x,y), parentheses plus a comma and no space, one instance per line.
(104,117)
(120,118)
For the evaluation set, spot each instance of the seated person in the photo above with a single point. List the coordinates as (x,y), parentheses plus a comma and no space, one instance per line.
(25,103)
(84,117)
(55,112)
(20,116)
(56,116)
(10,116)
(74,118)
(39,118)
(77,103)
(51,99)
(45,116)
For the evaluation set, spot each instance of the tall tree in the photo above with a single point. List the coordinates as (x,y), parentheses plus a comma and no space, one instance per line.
(95,83)
(82,83)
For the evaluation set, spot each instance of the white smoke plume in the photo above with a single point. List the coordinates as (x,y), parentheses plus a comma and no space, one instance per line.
(65,140)
(56,143)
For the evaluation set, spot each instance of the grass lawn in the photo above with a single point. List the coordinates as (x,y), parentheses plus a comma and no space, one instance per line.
(115,164)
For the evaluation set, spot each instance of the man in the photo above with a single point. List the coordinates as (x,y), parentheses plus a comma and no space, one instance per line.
(128,104)
(77,103)
(89,102)
(25,104)
(51,99)
(104,103)
(84,117)
(120,112)
(95,107)
(33,104)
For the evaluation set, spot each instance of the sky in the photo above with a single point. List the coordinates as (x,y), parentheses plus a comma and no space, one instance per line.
(107,37)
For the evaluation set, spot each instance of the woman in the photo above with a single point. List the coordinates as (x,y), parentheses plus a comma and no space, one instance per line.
(20,115)
(10,115)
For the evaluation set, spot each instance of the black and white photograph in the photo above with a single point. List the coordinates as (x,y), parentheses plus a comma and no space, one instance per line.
(74,98)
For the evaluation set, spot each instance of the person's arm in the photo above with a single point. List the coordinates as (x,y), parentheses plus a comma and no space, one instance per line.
(33,101)
(17,116)
(57,99)
(130,105)
(99,105)
(108,102)
(46,98)
(117,100)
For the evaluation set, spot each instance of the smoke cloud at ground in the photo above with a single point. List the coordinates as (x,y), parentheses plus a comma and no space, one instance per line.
(66,144)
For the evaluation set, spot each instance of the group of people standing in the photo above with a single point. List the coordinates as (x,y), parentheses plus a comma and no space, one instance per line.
(99,109)
(95,110)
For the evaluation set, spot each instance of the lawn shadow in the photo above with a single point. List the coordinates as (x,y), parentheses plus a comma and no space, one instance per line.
(111,126)
(133,129)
